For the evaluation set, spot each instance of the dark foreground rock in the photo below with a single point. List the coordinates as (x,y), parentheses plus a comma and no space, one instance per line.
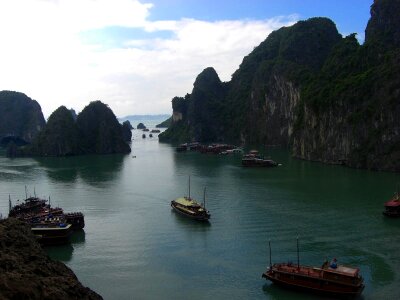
(26,272)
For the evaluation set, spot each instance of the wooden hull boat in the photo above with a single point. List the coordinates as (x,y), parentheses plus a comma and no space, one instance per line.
(329,279)
(258,162)
(190,208)
(392,207)
(76,219)
(253,159)
(343,281)
(53,233)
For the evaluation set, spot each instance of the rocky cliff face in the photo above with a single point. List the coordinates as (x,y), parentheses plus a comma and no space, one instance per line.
(20,116)
(197,116)
(326,97)
(26,272)
(384,25)
(349,114)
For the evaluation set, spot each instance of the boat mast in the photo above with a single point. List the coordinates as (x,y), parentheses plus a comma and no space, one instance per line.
(34,191)
(9,204)
(26,193)
(270,260)
(204,198)
(189,187)
(298,256)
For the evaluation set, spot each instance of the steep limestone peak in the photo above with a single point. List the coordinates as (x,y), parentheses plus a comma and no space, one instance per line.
(207,79)
(384,25)
(20,116)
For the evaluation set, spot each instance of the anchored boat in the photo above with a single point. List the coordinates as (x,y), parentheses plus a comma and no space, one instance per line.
(392,207)
(52,232)
(189,207)
(328,279)
(253,159)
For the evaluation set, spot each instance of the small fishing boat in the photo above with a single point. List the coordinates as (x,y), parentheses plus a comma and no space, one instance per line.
(334,280)
(189,207)
(143,136)
(392,207)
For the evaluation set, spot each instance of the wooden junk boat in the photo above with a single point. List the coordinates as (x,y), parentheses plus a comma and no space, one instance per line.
(253,159)
(189,207)
(392,207)
(331,280)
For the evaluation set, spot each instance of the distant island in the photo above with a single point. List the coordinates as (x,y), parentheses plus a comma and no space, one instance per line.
(165,124)
(135,118)
(24,132)
(325,97)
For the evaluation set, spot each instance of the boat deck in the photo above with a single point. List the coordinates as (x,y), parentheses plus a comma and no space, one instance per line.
(316,272)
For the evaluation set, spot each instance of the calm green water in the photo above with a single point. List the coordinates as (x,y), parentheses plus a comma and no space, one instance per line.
(135,247)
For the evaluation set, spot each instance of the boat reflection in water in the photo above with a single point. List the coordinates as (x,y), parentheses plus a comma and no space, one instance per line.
(189,207)
(331,279)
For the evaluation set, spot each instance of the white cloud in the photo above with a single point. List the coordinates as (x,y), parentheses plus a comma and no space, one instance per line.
(43,56)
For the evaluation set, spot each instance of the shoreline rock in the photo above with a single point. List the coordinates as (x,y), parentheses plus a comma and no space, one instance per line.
(26,272)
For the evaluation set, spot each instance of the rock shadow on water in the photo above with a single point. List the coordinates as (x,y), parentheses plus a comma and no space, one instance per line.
(92,169)
(100,168)
(60,169)
(78,237)
(60,252)
(64,252)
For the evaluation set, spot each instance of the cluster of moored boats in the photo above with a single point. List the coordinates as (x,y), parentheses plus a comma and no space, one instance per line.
(251,159)
(50,225)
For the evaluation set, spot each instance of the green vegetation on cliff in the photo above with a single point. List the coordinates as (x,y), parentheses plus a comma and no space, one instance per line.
(59,137)
(326,97)
(95,131)
(99,130)
(20,116)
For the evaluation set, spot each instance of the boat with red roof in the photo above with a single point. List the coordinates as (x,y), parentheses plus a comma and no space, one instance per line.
(392,207)
(330,279)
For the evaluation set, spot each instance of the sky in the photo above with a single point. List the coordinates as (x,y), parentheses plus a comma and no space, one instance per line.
(135,55)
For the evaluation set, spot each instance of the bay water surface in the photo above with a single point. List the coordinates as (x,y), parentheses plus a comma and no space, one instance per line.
(135,247)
